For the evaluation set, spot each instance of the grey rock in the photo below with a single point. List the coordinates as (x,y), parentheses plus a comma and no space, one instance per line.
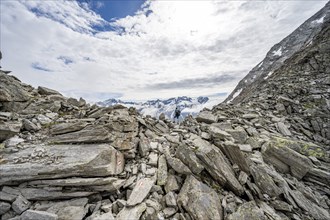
(9,215)
(245,147)
(11,89)
(277,153)
(264,181)
(170,199)
(150,213)
(7,197)
(4,207)
(242,178)
(169,211)
(9,129)
(239,134)
(64,128)
(30,126)
(144,147)
(162,171)
(199,200)
(43,120)
(47,91)
(248,211)
(188,157)
(132,212)
(281,206)
(171,184)
(283,129)
(317,212)
(206,117)
(250,116)
(34,194)
(215,163)
(69,210)
(70,160)
(217,134)
(108,184)
(90,134)
(38,215)
(140,191)
(20,205)
(177,165)
(153,159)
(234,153)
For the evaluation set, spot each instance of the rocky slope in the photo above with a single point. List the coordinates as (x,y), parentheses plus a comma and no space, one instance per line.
(279,53)
(267,158)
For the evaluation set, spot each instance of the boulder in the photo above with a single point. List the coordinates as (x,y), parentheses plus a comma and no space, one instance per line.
(162,171)
(20,204)
(4,207)
(132,212)
(12,90)
(9,129)
(64,128)
(215,163)
(206,117)
(140,191)
(199,200)
(248,211)
(188,157)
(239,134)
(277,153)
(38,215)
(47,91)
(62,161)
(30,126)
(90,134)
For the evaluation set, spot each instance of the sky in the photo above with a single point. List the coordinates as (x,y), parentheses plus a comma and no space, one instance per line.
(139,50)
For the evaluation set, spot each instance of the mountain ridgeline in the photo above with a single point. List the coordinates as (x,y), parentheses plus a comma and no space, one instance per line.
(154,108)
(262,156)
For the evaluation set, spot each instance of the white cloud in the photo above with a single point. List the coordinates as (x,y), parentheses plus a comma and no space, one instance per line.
(178,44)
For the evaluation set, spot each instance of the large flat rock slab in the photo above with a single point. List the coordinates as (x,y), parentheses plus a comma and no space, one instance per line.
(59,161)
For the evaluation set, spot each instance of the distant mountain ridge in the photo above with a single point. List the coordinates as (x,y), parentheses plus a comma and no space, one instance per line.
(279,53)
(155,107)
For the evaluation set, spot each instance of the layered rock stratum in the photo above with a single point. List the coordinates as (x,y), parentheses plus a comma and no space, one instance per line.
(264,158)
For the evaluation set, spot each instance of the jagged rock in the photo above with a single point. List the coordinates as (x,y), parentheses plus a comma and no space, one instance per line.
(264,181)
(170,199)
(269,211)
(177,165)
(215,163)
(34,194)
(9,194)
(30,126)
(153,159)
(248,211)
(199,200)
(169,211)
(233,152)
(277,153)
(11,89)
(132,212)
(217,134)
(171,184)
(140,191)
(47,91)
(207,117)
(108,184)
(64,128)
(188,157)
(281,206)
(67,161)
(9,129)
(67,210)
(38,215)
(250,116)
(13,141)
(162,171)
(144,147)
(239,134)
(90,134)
(317,212)
(20,204)
(4,207)
(283,129)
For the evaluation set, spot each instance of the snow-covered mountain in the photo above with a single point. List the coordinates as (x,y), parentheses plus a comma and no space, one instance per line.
(154,108)
(278,54)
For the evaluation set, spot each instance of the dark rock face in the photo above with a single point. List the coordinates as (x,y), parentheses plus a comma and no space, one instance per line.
(265,158)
